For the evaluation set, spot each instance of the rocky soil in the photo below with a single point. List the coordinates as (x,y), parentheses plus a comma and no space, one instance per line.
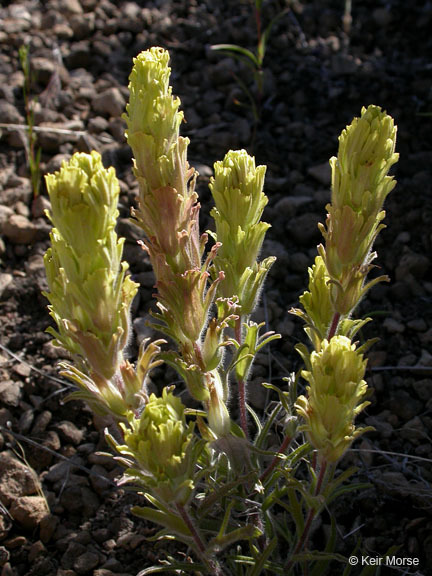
(61,512)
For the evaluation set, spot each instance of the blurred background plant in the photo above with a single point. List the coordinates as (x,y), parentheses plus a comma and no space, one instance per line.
(254,59)
(33,151)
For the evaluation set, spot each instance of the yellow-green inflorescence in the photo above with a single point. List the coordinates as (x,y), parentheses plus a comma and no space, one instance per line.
(237,190)
(89,292)
(360,184)
(335,396)
(168,212)
(160,443)
(335,369)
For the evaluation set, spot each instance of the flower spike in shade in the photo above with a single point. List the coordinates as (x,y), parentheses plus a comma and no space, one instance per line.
(334,397)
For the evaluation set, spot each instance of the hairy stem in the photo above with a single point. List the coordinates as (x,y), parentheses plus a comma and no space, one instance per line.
(212,565)
(276,460)
(194,532)
(334,325)
(241,384)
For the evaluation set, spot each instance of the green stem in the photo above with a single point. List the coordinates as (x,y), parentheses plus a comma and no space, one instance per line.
(241,384)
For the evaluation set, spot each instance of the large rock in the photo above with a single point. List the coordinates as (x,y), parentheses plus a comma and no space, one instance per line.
(19,230)
(16,479)
(110,102)
(29,511)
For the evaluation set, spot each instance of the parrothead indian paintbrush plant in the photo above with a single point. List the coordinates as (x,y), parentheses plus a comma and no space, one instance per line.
(214,483)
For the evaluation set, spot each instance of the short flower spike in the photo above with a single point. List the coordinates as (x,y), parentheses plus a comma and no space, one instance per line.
(89,293)
(335,397)
(160,444)
(237,190)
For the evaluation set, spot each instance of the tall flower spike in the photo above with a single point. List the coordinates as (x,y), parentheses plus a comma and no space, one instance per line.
(168,212)
(237,190)
(334,397)
(360,184)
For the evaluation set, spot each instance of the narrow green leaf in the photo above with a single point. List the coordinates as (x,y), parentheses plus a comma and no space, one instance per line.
(247,532)
(299,453)
(346,490)
(262,559)
(245,55)
(217,494)
(263,434)
(267,341)
(183,566)
(170,521)
(296,510)
(255,417)
(270,567)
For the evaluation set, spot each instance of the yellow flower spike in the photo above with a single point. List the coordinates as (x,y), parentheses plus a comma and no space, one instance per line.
(366,154)
(153,117)
(168,212)
(161,443)
(334,397)
(237,190)
(89,293)
(360,184)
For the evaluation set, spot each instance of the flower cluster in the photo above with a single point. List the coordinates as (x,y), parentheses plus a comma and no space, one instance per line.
(360,184)
(158,447)
(237,190)
(90,294)
(335,392)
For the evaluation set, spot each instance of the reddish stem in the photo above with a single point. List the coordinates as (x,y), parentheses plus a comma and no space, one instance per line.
(188,521)
(286,442)
(321,477)
(212,565)
(333,326)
